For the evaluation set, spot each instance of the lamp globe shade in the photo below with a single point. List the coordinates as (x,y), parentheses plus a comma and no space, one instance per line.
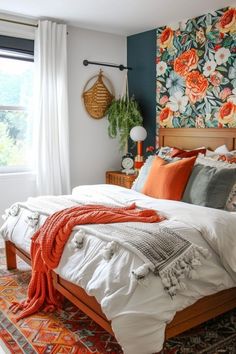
(138,133)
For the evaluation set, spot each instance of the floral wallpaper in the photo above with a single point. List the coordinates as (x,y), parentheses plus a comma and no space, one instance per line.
(196,72)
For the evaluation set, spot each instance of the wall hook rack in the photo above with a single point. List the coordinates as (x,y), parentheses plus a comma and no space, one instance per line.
(121,67)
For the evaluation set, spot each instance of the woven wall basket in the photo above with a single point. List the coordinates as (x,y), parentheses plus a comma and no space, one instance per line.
(97,98)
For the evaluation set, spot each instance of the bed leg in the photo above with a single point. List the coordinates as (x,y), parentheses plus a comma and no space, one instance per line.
(10,255)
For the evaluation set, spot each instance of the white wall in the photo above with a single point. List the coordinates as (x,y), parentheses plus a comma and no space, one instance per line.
(15,187)
(92,151)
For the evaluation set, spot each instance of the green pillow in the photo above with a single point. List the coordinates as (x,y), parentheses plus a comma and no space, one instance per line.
(209,186)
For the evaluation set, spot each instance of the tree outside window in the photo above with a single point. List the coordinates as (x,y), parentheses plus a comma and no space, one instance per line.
(16,90)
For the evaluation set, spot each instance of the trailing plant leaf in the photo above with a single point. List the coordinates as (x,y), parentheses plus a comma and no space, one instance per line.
(123,114)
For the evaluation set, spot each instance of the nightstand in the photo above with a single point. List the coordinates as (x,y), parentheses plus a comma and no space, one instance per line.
(120,179)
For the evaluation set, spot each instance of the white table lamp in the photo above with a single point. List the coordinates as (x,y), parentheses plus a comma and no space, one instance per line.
(138,134)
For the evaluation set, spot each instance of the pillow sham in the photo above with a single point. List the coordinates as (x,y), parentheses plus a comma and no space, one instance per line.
(168,152)
(165,152)
(143,173)
(208,161)
(168,180)
(228,158)
(231,202)
(187,153)
(209,186)
(221,150)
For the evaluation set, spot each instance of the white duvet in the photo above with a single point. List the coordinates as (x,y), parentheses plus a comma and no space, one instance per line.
(139,311)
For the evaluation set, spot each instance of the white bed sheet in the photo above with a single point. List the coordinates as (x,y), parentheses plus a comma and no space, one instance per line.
(139,311)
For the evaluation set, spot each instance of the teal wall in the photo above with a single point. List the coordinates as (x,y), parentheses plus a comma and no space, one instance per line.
(141,56)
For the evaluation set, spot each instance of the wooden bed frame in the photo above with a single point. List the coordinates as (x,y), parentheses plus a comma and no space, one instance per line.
(192,138)
(204,309)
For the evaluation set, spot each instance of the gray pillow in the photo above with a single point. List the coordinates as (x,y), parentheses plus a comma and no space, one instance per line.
(209,186)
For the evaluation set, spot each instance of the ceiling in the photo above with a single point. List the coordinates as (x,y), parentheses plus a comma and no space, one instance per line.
(123,17)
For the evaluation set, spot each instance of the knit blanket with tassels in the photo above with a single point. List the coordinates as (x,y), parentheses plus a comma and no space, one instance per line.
(48,243)
(164,251)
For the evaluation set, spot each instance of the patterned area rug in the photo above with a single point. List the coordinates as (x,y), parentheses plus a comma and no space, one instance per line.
(71,331)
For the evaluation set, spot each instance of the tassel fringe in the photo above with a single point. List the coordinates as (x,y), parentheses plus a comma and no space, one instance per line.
(184,267)
(142,271)
(12,211)
(109,250)
(78,240)
(171,276)
(33,219)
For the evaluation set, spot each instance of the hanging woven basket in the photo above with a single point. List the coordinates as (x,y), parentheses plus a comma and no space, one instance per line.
(97,98)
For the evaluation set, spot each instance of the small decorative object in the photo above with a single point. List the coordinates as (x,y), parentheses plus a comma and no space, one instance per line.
(138,134)
(14,210)
(97,98)
(123,114)
(150,149)
(128,164)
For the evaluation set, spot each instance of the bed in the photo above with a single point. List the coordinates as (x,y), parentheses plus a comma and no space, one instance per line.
(205,308)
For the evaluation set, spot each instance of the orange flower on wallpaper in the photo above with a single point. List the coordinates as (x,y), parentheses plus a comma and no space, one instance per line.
(186,62)
(165,117)
(196,86)
(166,38)
(227,114)
(227,22)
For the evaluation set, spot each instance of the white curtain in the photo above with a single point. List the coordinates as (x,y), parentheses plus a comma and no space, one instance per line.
(51,110)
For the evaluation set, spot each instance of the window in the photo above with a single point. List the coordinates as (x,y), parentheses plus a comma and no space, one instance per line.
(16,89)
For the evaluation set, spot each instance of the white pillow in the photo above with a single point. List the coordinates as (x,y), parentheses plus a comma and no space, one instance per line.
(222,150)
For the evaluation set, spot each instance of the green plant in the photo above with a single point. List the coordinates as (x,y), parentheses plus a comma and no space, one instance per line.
(123,114)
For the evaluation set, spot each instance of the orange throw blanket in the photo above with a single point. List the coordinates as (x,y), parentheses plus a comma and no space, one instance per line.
(48,244)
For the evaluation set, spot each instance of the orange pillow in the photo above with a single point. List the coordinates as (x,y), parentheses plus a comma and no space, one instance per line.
(168,180)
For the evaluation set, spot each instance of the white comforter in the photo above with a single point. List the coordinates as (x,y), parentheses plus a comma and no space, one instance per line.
(140,311)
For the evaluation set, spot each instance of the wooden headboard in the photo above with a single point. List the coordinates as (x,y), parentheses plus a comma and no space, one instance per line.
(192,138)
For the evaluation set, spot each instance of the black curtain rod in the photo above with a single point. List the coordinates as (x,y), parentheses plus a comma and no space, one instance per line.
(22,23)
(19,22)
(121,67)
